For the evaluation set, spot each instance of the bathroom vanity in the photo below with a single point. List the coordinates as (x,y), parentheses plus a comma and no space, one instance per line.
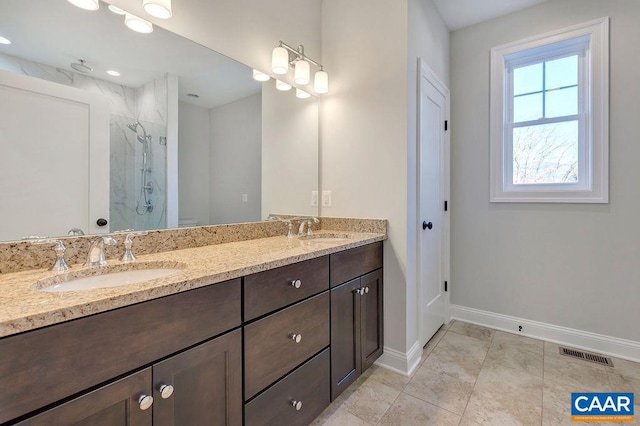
(270,338)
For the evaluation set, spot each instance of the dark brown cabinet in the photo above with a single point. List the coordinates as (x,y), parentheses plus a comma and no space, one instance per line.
(356,329)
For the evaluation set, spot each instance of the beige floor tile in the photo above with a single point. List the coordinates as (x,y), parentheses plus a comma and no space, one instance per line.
(516,384)
(339,417)
(626,368)
(502,339)
(472,330)
(514,357)
(459,356)
(390,378)
(501,409)
(579,374)
(371,400)
(440,389)
(556,403)
(467,422)
(410,411)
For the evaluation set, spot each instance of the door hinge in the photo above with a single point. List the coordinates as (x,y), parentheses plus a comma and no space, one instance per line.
(446,206)
(446,286)
(446,125)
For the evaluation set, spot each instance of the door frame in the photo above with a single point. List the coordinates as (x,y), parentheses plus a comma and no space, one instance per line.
(427,76)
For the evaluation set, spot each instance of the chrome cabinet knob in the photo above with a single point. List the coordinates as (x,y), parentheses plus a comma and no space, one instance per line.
(366,289)
(359,291)
(145,402)
(296,283)
(165,391)
(297,405)
(296,337)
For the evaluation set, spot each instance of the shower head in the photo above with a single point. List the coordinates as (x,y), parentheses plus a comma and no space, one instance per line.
(133,127)
(141,139)
(81,67)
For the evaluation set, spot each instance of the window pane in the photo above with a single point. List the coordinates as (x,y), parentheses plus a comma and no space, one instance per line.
(527,107)
(546,153)
(562,102)
(527,79)
(561,72)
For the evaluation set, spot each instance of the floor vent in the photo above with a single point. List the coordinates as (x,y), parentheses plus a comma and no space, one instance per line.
(587,356)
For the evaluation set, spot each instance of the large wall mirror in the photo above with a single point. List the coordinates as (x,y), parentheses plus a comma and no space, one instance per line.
(183,136)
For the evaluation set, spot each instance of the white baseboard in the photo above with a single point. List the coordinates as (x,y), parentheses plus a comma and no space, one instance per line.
(606,345)
(399,362)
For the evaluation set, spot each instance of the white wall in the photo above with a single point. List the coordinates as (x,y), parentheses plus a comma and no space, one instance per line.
(289,137)
(576,266)
(235,161)
(193,163)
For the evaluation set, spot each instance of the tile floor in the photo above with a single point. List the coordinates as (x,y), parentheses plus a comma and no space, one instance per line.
(471,375)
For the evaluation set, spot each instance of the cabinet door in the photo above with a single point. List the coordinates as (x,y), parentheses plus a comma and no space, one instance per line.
(345,336)
(371,318)
(116,404)
(207,385)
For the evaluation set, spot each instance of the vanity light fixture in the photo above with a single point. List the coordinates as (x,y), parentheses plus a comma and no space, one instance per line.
(137,24)
(113,73)
(284,55)
(86,4)
(260,76)
(301,94)
(282,86)
(116,10)
(158,8)
(4,40)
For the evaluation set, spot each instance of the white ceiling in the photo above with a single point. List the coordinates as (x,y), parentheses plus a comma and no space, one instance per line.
(56,33)
(462,13)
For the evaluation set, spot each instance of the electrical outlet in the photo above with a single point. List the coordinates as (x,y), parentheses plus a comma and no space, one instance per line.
(326,198)
(245,198)
(314,198)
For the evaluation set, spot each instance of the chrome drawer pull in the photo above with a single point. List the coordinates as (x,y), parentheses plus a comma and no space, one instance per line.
(296,337)
(296,283)
(145,402)
(165,391)
(297,405)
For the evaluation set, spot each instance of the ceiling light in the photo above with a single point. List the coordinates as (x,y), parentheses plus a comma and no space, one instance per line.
(4,40)
(302,94)
(137,24)
(158,8)
(280,60)
(281,85)
(116,10)
(86,4)
(113,73)
(301,74)
(321,82)
(260,76)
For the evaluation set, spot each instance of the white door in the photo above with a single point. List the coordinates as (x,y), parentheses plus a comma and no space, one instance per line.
(54,170)
(433,188)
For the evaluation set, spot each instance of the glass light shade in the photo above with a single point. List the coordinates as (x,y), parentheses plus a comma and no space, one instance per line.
(116,10)
(260,76)
(321,82)
(137,24)
(281,85)
(301,75)
(158,8)
(302,94)
(280,60)
(86,4)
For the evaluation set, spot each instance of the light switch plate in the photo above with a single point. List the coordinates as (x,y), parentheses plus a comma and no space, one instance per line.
(314,198)
(326,198)
(245,198)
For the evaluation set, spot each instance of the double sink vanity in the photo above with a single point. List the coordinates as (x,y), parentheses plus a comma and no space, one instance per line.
(258,330)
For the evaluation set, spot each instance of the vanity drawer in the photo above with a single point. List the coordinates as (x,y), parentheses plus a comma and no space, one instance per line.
(67,358)
(269,348)
(267,291)
(349,264)
(308,384)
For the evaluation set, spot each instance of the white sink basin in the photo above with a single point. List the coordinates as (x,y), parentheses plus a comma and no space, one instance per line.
(109,277)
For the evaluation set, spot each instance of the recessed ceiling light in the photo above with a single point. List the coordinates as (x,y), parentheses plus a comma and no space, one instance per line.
(86,4)
(4,40)
(137,24)
(116,10)
(113,73)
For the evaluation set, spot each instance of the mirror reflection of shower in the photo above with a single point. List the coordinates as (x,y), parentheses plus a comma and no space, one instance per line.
(144,203)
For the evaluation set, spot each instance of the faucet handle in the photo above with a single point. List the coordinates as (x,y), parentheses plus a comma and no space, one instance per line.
(128,246)
(61,264)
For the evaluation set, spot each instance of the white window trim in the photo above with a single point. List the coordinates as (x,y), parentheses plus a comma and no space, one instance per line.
(596,188)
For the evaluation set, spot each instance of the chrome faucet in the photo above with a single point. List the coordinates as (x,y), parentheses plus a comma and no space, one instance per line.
(61,264)
(128,246)
(96,250)
(308,221)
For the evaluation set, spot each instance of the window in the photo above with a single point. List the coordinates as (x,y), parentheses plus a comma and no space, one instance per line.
(549,117)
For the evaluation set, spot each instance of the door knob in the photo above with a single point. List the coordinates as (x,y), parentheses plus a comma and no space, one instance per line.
(101,222)
(426,225)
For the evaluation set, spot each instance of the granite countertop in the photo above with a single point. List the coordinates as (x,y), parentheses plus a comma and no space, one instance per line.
(25,308)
